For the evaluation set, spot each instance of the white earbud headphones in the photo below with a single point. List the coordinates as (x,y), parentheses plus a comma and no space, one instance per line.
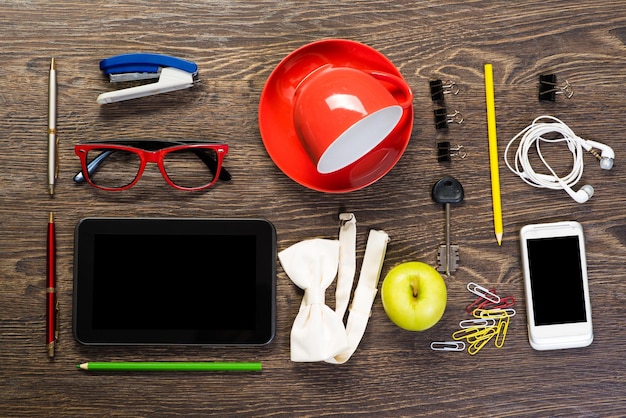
(534,135)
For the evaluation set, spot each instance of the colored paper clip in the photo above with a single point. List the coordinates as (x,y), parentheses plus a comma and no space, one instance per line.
(502,328)
(505,302)
(483,292)
(478,322)
(475,347)
(447,346)
(474,334)
(479,301)
(172,73)
(493,313)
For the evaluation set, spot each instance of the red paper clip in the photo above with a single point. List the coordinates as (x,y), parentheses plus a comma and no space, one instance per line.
(478,302)
(505,302)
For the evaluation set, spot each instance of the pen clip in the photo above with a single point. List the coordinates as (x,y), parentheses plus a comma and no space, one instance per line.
(56,158)
(56,323)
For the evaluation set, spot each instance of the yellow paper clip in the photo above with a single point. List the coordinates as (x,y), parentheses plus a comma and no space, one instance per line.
(483,292)
(476,346)
(493,313)
(486,334)
(503,326)
(474,334)
(447,346)
(466,333)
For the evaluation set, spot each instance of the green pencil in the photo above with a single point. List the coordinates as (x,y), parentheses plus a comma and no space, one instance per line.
(176,366)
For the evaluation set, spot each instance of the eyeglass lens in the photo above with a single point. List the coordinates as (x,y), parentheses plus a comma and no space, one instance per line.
(191,167)
(188,168)
(117,168)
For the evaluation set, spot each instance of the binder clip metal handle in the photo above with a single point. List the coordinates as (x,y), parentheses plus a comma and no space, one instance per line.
(443,119)
(439,88)
(548,88)
(446,151)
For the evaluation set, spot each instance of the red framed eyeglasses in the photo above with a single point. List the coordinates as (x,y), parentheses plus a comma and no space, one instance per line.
(118,165)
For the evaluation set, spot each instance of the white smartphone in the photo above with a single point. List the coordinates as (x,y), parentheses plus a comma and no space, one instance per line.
(556,284)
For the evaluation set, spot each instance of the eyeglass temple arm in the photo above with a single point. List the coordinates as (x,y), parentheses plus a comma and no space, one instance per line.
(96,162)
(92,166)
(212,164)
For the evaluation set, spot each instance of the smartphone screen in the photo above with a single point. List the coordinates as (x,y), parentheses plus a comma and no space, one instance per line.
(556,280)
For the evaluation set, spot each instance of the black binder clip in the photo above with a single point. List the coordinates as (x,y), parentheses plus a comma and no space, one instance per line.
(445,151)
(548,88)
(438,88)
(443,119)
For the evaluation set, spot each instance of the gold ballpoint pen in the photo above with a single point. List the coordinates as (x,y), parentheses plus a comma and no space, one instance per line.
(53,167)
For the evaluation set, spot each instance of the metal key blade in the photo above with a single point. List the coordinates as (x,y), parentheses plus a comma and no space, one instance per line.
(442,258)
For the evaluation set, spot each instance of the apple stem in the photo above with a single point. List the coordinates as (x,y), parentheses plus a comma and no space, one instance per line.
(414,287)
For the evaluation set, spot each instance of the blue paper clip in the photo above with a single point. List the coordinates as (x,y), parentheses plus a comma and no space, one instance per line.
(172,73)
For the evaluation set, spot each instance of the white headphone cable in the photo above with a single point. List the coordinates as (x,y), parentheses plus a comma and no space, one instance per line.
(534,135)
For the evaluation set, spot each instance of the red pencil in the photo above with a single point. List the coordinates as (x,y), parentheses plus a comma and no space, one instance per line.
(51,302)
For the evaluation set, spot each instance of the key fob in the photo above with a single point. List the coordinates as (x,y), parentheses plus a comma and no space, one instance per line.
(447,190)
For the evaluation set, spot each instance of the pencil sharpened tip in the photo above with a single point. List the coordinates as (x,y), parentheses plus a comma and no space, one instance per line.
(83,366)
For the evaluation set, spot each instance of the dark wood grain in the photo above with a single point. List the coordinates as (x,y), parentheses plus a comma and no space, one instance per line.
(236,45)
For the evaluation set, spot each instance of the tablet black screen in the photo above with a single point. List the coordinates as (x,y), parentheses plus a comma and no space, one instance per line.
(158,281)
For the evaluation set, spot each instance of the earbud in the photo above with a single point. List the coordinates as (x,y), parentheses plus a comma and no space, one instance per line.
(582,195)
(606,157)
(606,163)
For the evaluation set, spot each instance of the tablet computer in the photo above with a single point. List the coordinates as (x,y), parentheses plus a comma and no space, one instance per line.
(174,281)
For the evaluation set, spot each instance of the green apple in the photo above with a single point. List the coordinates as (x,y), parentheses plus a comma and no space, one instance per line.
(414,296)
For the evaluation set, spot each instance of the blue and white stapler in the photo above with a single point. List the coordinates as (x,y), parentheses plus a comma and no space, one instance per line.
(172,74)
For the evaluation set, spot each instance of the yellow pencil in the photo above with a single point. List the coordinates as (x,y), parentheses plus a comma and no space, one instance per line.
(493,153)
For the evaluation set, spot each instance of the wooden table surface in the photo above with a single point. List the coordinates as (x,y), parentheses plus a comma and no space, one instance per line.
(236,45)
